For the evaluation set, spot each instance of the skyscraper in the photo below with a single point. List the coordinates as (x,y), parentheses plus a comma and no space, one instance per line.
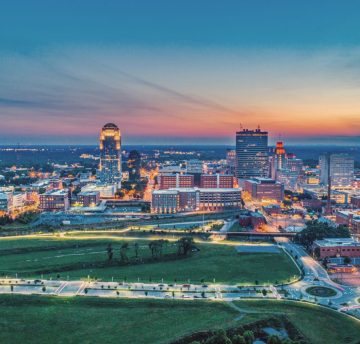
(278,160)
(252,154)
(341,169)
(110,155)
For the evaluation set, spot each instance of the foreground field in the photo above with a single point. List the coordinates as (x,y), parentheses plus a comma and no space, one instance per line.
(32,319)
(79,257)
(319,325)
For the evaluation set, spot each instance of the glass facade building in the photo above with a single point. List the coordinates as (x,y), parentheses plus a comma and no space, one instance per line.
(110,155)
(252,154)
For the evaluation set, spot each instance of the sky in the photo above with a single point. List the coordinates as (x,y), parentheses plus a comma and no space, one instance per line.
(179,72)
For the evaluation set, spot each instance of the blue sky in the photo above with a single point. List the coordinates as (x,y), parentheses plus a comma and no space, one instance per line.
(190,70)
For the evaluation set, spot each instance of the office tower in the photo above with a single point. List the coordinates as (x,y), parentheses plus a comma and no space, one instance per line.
(278,160)
(134,164)
(110,155)
(252,154)
(340,168)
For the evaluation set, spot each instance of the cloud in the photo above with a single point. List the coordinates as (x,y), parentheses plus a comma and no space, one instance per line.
(158,93)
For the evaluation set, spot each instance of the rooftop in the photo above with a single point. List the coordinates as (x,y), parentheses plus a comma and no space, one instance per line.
(329,242)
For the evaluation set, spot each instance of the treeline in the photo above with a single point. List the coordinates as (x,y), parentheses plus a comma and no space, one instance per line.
(316,230)
(184,245)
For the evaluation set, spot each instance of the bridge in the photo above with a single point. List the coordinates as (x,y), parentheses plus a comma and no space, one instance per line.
(255,234)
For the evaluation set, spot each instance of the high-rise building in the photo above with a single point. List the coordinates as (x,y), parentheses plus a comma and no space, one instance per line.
(252,154)
(110,155)
(278,161)
(341,169)
(134,164)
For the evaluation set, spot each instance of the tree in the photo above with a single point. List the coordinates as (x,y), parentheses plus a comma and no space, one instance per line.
(249,337)
(185,245)
(123,249)
(136,246)
(156,247)
(273,339)
(110,252)
(219,337)
(317,231)
(264,292)
(238,339)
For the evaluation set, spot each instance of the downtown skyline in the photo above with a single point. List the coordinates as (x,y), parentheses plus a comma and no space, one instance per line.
(165,82)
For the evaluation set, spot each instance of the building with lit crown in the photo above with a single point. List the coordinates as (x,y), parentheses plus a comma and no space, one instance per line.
(252,157)
(110,155)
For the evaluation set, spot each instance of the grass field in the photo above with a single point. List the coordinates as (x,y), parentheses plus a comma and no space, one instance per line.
(32,319)
(32,257)
(319,325)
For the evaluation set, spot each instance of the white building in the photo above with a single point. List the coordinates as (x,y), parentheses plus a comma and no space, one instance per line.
(106,191)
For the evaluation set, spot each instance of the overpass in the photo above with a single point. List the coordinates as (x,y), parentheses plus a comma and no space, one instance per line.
(258,235)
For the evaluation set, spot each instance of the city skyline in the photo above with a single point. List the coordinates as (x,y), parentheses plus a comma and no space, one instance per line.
(165,82)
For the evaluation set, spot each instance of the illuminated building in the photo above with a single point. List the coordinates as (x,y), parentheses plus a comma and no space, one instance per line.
(355,201)
(105,191)
(194,199)
(165,201)
(341,169)
(5,202)
(278,161)
(169,180)
(264,189)
(110,155)
(252,154)
(231,160)
(18,200)
(55,200)
(134,164)
(216,181)
(88,198)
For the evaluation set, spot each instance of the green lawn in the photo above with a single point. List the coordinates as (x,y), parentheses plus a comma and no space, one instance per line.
(35,256)
(319,325)
(25,319)
(41,319)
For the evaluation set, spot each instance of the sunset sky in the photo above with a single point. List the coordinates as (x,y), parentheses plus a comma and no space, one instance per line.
(179,71)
